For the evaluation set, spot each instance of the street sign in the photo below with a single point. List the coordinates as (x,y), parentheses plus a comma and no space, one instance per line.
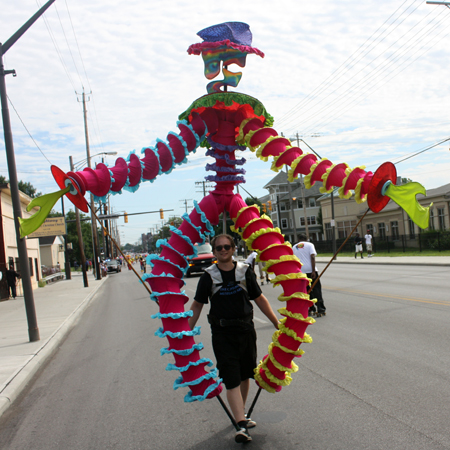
(53,226)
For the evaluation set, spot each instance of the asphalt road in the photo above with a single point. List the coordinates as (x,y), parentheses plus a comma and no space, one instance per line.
(375,377)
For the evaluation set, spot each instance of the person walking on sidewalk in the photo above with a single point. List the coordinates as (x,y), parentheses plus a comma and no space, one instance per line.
(306,253)
(229,286)
(358,245)
(11,277)
(368,239)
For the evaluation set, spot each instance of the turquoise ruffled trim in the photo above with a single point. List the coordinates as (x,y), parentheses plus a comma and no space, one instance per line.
(192,398)
(177,231)
(101,199)
(204,219)
(164,242)
(179,381)
(185,217)
(197,137)
(133,188)
(183,142)
(153,149)
(208,362)
(154,257)
(154,295)
(116,192)
(178,335)
(186,352)
(171,154)
(182,315)
(186,152)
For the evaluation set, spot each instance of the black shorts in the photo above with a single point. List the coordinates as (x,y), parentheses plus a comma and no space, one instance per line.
(236,356)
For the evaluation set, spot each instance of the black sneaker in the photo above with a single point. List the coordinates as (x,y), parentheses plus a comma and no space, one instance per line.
(242,436)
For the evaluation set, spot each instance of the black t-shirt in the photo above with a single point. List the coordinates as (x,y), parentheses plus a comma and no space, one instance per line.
(231,301)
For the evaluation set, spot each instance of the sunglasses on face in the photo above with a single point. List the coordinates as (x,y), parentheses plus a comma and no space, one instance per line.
(220,247)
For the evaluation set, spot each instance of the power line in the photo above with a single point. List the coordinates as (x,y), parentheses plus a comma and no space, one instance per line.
(29,134)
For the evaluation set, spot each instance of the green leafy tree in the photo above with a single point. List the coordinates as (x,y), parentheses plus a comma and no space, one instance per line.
(72,237)
(25,186)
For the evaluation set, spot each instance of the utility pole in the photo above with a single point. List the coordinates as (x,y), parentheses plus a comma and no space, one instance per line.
(66,255)
(80,237)
(185,203)
(205,185)
(98,274)
(33,330)
(302,186)
(291,204)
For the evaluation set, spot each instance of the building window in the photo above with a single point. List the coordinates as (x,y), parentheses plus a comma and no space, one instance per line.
(382,230)
(30,263)
(17,265)
(345,228)
(441,218)
(282,206)
(11,262)
(312,220)
(328,231)
(275,223)
(299,203)
(312,202)
(412,233)
(431,226)
(394,230)
(284,223)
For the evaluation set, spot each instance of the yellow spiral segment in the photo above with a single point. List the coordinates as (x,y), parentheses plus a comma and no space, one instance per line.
(266,143)
(273,372)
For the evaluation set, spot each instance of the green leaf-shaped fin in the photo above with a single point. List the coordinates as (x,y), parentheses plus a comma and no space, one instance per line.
(405,197)
(46,203)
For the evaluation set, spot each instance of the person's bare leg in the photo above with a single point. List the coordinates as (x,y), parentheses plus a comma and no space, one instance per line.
(245,387)
(236,403)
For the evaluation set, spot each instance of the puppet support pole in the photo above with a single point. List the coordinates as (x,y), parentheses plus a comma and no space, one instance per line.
(118,248)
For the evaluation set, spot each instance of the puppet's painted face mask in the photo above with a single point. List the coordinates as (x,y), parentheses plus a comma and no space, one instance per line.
(227,56)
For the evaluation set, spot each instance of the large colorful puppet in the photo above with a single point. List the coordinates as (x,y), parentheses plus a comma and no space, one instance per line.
(227,122)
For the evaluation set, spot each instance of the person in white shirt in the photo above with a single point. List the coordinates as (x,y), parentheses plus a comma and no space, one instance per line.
(368,238)
(251,261)
(306,253)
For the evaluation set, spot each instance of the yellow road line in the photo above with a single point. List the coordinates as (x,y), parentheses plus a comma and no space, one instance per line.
(420,300)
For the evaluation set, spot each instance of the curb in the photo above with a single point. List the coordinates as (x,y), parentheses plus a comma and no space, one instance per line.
(19,380)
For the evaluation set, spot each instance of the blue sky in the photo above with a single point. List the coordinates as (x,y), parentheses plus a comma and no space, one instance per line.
(361,82)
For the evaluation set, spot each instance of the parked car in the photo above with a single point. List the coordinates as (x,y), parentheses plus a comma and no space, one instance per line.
(204,259)
(113,266)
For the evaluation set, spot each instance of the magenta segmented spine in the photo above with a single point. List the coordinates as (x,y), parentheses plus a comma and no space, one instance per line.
(166,282)
(128,174)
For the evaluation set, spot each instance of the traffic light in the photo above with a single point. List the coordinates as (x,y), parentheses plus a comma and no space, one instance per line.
(161,213)
(264,207)
(270,205)
(125,218)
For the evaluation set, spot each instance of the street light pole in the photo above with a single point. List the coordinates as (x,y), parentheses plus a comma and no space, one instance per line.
(33,330)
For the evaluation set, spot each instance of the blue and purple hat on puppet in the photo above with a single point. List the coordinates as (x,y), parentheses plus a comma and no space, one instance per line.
(229,42)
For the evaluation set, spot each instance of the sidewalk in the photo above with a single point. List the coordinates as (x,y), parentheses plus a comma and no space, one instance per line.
(58,307)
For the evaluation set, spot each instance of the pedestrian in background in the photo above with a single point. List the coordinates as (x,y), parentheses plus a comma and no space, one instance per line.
(358,245)
(368,239)
(11,277)
(306,253)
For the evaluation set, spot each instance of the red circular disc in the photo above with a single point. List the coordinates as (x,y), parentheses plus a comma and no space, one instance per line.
(375,199)
(78,200)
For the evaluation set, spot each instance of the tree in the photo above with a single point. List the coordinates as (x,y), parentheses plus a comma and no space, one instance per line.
(72,237)
(25,186)
(253,201)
